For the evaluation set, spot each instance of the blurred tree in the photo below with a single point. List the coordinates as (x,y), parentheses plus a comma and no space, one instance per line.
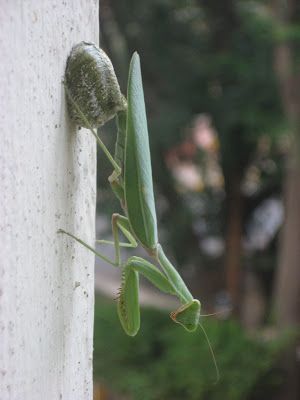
(287,66)
(202,56)
(243,110)
(287,285)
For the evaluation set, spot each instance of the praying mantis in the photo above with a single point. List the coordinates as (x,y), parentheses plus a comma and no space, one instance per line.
(93,97)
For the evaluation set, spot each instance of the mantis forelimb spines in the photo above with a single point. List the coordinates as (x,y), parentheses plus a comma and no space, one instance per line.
(91,105)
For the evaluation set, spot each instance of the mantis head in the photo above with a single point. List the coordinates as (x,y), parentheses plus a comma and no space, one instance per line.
(188,315)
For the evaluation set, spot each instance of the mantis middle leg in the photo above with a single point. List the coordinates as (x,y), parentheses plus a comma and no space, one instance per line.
(119,222)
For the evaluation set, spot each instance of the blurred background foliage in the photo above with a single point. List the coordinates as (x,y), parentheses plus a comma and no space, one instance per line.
(165,362)
(222,90)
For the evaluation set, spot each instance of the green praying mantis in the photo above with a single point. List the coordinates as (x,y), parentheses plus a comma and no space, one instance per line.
(94,96)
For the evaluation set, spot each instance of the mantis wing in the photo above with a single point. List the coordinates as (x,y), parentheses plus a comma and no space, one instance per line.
(139,198)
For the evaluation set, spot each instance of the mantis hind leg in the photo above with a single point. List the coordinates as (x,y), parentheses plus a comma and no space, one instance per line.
(116,178)
(89,126)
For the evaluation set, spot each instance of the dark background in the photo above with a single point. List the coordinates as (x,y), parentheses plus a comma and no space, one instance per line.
(222,92)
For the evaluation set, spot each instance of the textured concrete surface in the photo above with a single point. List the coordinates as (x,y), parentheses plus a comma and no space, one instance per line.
(47,181)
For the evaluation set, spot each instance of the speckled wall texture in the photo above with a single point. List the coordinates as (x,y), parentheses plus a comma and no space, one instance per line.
(47,182)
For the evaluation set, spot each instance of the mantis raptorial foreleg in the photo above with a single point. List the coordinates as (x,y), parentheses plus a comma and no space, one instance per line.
(128,299)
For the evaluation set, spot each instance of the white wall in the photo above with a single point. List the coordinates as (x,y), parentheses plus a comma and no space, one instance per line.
(47,181)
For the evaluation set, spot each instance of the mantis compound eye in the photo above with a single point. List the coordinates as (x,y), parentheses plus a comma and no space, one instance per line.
(188,315)
(91,83)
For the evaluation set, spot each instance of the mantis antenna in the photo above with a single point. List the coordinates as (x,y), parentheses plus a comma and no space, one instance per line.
(212,354)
